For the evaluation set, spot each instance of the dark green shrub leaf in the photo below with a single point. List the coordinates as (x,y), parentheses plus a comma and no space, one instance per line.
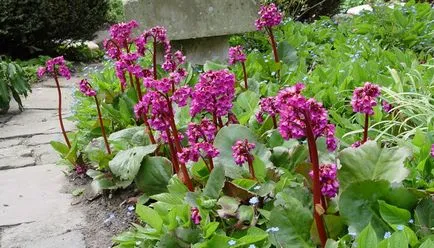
(154,175)
(127,163)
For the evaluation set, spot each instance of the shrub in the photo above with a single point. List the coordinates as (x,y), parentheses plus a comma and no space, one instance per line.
(30,27)
(303,10)
(13,83)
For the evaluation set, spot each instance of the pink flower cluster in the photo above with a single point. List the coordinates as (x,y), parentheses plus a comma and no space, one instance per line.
(328,180)
(269,16)
(50,66)
(200,138)
(365,98)
(241,151)
(267,105)
(195,216)
(295,110)
(120,38)
(158,34)
(236,54)
(158,107)
(387,107)
(86,88)
(214,93)
(432,150)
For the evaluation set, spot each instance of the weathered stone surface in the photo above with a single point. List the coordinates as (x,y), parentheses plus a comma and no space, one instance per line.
(359,9)
(45,154)
(198,51)
(42,122)
(64,83)
(10,142)
(15,151)
(51,234)
(16,162)
(32,194)
(43,139)
(187,19)
(46,98)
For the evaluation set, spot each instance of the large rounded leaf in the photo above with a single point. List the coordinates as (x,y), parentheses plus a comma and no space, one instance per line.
(358,205)
(226,138)
(154,175)
(371,162)
(127,163)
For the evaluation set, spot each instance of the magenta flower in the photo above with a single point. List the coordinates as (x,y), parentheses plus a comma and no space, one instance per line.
(195,216)
(189,154)
(295,110)
(172,61)
(159,34)
(205,131)
(241,151)
(432,150)
(214,93)
(356,144)
(159,110)
(120,67)
(236,54)
(86,88)
(387,107)
(181,96)
(121,32)
(269,16)
(328,180)
(365,98)
(55,65)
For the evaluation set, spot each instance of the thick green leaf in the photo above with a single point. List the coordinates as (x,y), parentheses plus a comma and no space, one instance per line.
(154,175)
(127,163)
(394,215)
(424,217)
(212,66)
(427,244)
(226,138)
(150,216)
(293,220)
(129,137)
(287,53)
(245,106)
(367,238)
(215,183)
(210,228)
(60,147)
(371,162)
(358,205)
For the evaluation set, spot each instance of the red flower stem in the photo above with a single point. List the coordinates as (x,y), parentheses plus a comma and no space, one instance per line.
(154,58)
(59,94)
(245,75)
(130,74)
(274,121)
(138,88)
(211,163)
(220,121)
(365,130)
(173,152)
(273,44)
(251,169)
(317,195)
(101,124)
(214,119)
(148,129)
(184,171)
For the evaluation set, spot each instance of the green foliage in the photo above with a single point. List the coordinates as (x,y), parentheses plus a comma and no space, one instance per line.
(33,26)
(116,11)
(13,84)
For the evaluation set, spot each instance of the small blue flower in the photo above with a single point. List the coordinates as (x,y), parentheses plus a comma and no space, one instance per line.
(387,235)
(273,229)
(232,242)
(411,221)
(399,227)
(254,200)
(257,187)
(252,246)
(130,208)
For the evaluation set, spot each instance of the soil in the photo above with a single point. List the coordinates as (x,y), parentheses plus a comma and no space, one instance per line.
(107,215)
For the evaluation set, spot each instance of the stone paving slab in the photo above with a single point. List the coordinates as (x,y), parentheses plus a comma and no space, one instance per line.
(42,139)
(73,239)
(46,98)
(32,194)
(64,83)
(32,122)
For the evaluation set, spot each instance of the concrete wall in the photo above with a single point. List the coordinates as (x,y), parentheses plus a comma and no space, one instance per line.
(190,19)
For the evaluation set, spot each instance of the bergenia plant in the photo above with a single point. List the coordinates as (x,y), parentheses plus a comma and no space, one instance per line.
(236,54)
(364,100)
(306,118)
(87,90)
(269,16)
(56,67)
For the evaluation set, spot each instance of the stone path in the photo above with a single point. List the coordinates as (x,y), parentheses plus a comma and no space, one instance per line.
(35,207)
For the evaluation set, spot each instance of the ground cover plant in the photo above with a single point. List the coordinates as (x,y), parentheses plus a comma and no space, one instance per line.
(324,139)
